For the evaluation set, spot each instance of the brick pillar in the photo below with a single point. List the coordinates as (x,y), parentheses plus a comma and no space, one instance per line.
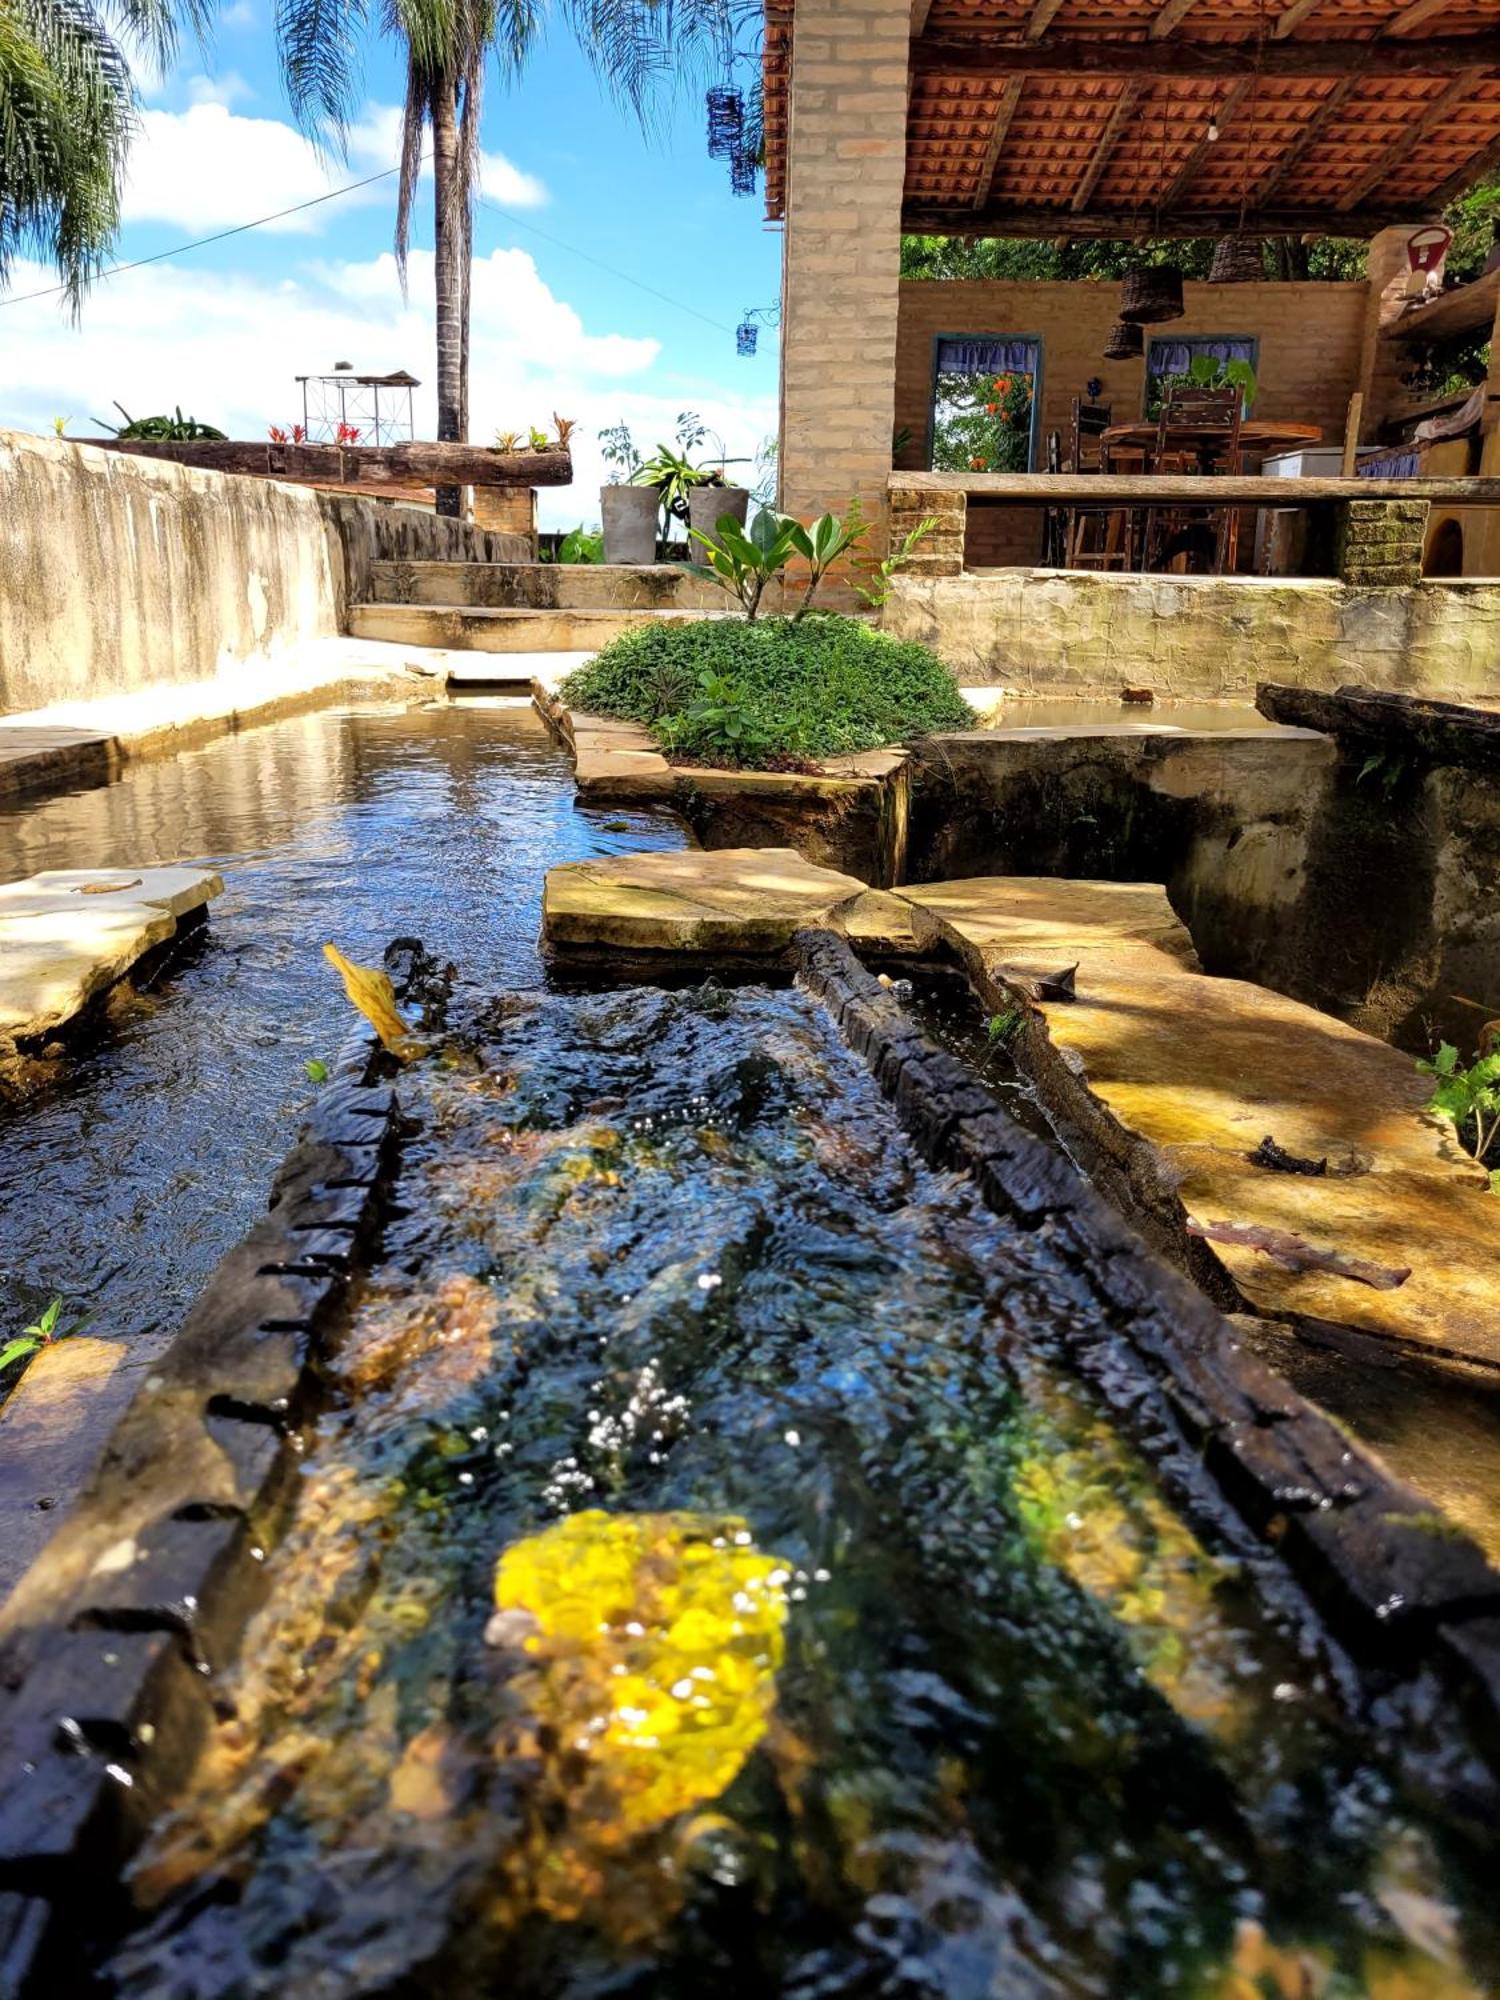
(941,550)
(1390,277)
(1379,542)
(841,259)
(509,509)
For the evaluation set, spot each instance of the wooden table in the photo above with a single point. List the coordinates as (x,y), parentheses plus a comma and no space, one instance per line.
(1255,435)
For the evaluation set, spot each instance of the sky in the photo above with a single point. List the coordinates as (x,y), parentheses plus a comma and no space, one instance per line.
(570,185)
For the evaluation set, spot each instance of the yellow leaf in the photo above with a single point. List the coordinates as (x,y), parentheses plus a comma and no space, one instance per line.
(372,993)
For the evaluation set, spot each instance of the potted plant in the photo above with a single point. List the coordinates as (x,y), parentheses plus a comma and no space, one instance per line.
(627,507)
(669,486)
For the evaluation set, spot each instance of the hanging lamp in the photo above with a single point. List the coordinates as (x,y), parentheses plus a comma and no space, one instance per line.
(1151,295)
(1237,260)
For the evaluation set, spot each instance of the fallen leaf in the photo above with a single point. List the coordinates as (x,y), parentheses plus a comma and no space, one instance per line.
(108,888)
(1283,1248)
(371,991)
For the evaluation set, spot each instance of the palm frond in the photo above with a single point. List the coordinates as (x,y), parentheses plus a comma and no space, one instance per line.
(320,43)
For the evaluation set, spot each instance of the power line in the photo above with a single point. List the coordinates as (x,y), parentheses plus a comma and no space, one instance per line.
(677,305)
(201,242)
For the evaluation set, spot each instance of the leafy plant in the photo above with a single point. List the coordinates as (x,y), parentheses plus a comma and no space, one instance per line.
(674,476)
(539,439)
(175,428)
(1205,371)
(721,723)
(507,440)
(1387,766)
(1469,1098)
(878,589)
(315,1070)
(580,545)
(43,1331)
(1001,1027)
(617,448)
(295,434)
(806,689)
(982,423)
(565,427)
(743,561)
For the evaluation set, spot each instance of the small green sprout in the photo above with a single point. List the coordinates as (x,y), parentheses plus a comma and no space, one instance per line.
(41,1333)
(315,1070)
(1469,1098)
(1001,1027)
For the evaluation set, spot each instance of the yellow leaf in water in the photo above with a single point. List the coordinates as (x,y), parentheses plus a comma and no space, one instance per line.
(372,993)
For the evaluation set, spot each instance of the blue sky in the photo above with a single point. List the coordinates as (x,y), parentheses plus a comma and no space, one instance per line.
(223,330)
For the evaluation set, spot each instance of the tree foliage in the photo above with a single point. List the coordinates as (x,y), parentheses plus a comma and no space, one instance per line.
(67,114)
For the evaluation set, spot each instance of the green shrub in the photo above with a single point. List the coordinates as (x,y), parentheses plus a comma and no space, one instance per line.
(745,693)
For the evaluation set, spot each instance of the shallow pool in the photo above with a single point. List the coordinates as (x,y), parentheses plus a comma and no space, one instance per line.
(122,1184)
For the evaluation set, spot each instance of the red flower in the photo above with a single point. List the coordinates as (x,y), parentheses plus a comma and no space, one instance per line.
(299,435)
(979,465)
(1002,385)
(277,434)
(990,409)
(347,434)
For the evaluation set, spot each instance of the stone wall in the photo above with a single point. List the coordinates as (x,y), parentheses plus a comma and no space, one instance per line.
(118,573)
(1054,631)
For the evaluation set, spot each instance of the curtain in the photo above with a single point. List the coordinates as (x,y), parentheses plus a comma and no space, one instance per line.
(1174,357)
(987,357)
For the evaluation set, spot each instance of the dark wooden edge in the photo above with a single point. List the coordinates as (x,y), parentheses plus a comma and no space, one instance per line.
(1405,1593)
(1418,727)
(357,465)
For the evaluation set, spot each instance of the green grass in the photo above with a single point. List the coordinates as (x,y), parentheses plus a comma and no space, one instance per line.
(771,691)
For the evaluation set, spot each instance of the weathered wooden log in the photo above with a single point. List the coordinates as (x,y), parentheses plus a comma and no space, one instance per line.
(1406,725)
(361,465)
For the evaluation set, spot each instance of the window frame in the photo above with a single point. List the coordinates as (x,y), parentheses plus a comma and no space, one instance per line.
(1034,339)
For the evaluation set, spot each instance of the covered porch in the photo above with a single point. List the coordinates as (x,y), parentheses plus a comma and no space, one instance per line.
(1345,482)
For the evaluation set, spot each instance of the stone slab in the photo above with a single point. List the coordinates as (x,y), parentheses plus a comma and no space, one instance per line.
(1176,1078)
(881,921)
(734,899)
(68,933)
(51,1428)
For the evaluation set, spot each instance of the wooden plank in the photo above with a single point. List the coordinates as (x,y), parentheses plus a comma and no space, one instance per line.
(1464,85)
(979,57)
(1003,116)
(1465,309)
(920,9)
(1308,137)
(1433,732)
(421,464)
(1124,104)
(1042,489)
(1351,434)
(1292,17)
(1167,17)
(1222,114)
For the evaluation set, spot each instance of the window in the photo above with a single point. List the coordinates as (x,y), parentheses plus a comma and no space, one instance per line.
(984,402)
(1204,359)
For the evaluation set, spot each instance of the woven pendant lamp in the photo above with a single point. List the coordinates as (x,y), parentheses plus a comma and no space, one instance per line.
(1125,342)
(1238,260)
(1152,294)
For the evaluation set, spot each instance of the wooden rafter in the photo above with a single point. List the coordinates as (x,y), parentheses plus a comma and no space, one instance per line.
(1166,17)
(1307,138)
(1042,16)
(1222,115)
(977,57)
(1407,142)
(1473,169)
(1292,17)
(1004,114)
(920,9)
(1124,104)
(1412,16)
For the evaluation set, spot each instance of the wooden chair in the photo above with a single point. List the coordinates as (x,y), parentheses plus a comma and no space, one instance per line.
(1197,433)
(1096,537)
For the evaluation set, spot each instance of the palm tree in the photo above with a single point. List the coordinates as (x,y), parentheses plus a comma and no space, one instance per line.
(67,114)
(449,46)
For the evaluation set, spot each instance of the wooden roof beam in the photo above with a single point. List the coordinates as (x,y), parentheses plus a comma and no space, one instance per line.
(981,58)
(1473,169)
(1407,142)
(1413,15)
(1221,114)
(1003,116)
(1292,17)
(1307,138)
(1042,16)
(1048,222)
(1167,16)
(1124,104)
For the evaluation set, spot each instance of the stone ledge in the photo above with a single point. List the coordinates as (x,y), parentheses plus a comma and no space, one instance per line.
(734,900)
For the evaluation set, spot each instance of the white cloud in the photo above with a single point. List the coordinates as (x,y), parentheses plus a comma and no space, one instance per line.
(227,347)
(230,88)
(208,167)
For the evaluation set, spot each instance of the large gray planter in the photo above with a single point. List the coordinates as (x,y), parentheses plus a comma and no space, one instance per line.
(707,506)
(630,514)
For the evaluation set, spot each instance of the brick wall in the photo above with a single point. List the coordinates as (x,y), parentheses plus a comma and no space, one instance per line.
(1310,338)
(846,161)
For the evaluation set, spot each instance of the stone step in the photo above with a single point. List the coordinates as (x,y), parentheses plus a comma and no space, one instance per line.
(543,586)
(502,630)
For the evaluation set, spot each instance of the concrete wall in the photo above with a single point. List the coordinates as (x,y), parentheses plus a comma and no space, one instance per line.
(1310,338)
(1200,635)
(119,573)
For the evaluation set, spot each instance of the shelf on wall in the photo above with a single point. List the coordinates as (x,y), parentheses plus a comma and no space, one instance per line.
(1466,309)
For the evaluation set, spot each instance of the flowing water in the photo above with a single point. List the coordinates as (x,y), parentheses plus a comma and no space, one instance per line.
(125,1180)
(842,1647)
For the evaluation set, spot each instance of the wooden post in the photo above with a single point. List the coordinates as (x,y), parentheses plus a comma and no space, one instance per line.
(1350,459)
